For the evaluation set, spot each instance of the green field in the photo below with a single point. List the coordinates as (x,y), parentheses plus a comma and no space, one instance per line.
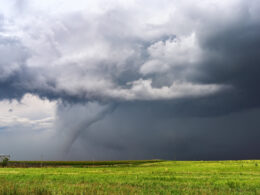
(132,177)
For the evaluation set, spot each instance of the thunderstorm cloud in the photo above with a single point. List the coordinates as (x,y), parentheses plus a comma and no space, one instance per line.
(97,80)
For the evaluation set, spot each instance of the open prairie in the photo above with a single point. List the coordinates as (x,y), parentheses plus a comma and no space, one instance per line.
(131,177)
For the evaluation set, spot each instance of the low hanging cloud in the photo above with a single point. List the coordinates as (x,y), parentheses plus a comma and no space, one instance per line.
(93,58)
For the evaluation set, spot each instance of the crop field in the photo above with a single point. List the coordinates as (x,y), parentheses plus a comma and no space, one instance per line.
(131,177)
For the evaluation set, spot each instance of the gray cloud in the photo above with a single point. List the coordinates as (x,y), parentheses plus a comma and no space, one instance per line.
(86,59)
(163,65)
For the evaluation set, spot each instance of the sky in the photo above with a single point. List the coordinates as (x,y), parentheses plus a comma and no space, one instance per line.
(135,79)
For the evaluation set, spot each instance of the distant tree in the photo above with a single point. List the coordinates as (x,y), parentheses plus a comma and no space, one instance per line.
(5,162)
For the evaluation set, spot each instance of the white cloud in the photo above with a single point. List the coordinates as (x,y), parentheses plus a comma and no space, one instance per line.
(143,90)
(31,112)
(179,51)
(154,66)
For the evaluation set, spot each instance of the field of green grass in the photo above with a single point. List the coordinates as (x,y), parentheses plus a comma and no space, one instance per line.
(134,177)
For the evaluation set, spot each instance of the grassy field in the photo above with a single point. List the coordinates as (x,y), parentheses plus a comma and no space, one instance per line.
(134,177)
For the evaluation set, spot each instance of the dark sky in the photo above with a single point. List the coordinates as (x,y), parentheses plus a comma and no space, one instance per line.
(104,80)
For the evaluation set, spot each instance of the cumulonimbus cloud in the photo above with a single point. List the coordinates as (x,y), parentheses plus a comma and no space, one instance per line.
(169,58)
(100,54)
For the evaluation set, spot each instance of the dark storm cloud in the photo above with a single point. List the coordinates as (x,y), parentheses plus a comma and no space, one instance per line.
(233,58)
(177,73)
(144,135)
(12,67)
